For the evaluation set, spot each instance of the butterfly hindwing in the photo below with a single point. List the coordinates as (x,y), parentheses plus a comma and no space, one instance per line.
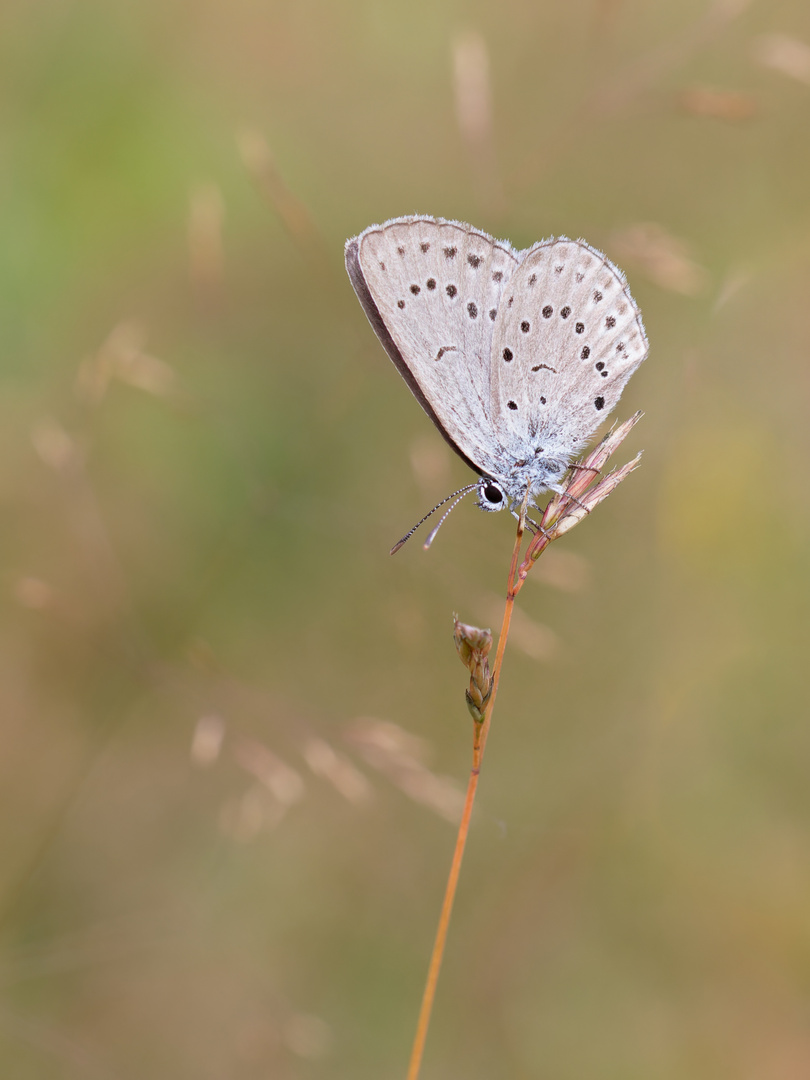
(567,339)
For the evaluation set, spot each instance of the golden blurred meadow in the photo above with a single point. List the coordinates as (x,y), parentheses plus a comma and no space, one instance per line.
(234,735)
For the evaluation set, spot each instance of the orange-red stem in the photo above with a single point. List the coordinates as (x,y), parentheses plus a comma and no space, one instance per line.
(479,743)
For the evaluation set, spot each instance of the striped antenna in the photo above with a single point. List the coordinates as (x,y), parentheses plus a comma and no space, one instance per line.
(457,495)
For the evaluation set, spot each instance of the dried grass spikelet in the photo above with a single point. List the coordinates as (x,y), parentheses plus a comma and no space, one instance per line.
(707,101)
(205,247)
(783,53)
(294,215)
(54,446)
(473,646)
(401,757)
(122,356)
(582,494)
(207,741)
(473,88)
(283,782)
(472,83)
(324,761)
(664,258)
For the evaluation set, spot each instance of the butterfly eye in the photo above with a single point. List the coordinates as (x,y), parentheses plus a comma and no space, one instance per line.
(490,495)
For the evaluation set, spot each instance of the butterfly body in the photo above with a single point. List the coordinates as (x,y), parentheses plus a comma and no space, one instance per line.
(516,356)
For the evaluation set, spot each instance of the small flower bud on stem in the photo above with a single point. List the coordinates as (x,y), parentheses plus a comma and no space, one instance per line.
(473,647)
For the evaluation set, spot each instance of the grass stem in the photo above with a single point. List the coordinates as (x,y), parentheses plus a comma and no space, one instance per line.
(479,743)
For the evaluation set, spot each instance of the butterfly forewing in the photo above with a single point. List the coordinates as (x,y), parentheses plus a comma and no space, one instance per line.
(433,290)
(567,339)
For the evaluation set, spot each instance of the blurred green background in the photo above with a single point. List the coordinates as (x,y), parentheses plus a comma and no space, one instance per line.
(233,729)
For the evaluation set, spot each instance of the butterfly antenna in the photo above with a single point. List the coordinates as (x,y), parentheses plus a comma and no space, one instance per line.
(432,533)
(458,495)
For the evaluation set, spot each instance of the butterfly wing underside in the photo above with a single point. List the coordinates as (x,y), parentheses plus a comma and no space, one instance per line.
(432,291)
(567,339)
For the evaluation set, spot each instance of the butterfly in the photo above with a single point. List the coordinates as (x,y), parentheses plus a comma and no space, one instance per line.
(516,356)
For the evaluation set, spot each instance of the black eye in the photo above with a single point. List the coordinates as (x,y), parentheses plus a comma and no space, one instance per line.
(492,494)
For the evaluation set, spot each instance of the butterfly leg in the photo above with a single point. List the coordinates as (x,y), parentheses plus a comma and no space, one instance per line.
(574,499)
(537,528)
(531,525)
(585,468)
